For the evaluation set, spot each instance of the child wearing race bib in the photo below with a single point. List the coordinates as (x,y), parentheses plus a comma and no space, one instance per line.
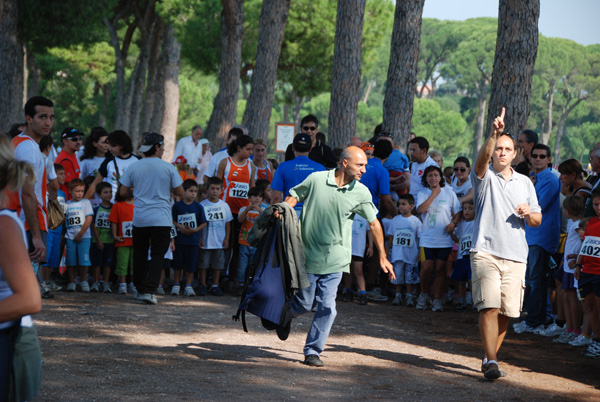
(587,272)
(188,218)
(214,238)
(463,236)
(403,236)
(103,244)
(247,217)
(121,226)
(360,233)
(53,250)
(79,215)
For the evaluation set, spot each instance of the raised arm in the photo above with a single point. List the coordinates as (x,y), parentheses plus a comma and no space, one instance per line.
(483,159)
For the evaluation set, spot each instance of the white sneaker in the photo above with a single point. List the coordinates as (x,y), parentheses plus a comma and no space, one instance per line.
(409,301)
(132,289)
(175,290)
(422,302)
(51,285)
(106,287)
(95,287)
(147,298)
(593,350)
(160,290)
(553,330)
(397,299)
(581,340)
(526,328)
(518,325)
(189,291)
(437,305)
(85,286)
(565,338)
(122,288)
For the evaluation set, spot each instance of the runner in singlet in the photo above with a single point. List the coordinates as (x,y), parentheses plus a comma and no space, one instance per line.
(264,169)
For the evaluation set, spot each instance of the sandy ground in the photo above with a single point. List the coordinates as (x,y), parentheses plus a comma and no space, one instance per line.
(112,348)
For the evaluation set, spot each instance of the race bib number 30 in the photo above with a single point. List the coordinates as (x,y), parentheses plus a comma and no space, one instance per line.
(239,190)
(404,238)
(102,219)
(591,247)
(127,228)
(75,217)
(187,220)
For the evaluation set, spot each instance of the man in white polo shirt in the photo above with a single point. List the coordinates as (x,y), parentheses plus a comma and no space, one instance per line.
(504,201)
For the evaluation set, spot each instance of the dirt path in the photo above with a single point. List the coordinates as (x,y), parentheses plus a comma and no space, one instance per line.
(111,348)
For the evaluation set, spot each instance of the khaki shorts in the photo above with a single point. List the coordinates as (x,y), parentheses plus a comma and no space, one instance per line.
(498,283)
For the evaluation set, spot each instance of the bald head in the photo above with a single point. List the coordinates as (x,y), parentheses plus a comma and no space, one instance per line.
(353,163)
(355,141)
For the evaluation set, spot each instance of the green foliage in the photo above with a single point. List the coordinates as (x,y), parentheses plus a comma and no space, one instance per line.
(196,94)
(579,141)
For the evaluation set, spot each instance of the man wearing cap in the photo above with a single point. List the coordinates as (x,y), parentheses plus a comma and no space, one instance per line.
(190,148)
(320,153)
(151,180)
(67,158)
(293,172)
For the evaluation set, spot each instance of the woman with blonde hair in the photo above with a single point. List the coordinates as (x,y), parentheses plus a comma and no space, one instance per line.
(20,358)
(264,169)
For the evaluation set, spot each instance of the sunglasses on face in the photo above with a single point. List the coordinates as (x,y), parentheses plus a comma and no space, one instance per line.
(541,156)
(460,169)
(76,139)
(309,128)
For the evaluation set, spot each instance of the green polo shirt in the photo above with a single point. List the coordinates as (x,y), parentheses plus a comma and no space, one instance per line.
(326,220)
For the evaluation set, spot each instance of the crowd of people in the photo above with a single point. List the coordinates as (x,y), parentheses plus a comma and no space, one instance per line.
(137,224)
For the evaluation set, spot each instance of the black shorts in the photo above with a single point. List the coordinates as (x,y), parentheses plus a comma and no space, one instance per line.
(357,258)
(437,253)
(589,283)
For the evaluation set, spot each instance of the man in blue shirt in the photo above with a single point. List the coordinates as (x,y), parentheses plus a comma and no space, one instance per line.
(542,240)
(377,178)
(293,172)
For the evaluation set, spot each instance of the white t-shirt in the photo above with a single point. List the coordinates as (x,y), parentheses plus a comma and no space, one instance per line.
(406,235)
(437,217)
(76,213)
(213,165)
(190,151)
(572,245)
(464,232)
(360,226)
(463,189)
(109,171)
(416,173)
(89,167)
(217,214)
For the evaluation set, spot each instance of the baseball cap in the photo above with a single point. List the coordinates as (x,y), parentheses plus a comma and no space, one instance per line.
(203,141)
(150,140)
(71,132)
(302,142)
(180,159)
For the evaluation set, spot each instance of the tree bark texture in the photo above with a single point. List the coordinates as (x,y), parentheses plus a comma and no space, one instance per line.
(11,66)
(402,72)
(168,128)
(225,103)
(273,19)
(154,88)
(516,51)
(346,72)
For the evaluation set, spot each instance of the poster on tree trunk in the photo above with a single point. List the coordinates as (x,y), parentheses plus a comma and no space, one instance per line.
(284,136)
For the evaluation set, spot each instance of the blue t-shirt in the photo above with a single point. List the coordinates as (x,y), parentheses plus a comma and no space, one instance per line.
(397,162)
(377,180)
(291,173)
(190,215)
(547,235)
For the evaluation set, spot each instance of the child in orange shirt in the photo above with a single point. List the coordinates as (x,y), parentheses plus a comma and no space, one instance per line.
(246,217)
(121,218)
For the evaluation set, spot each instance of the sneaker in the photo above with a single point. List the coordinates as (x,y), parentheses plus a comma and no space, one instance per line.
(189,292)
(565,338)
(553,330)
(106,287)
(376,296)
(581,340)
(71,287)
(122,288)
(518,325)
(175,290)
(85,286)
(202,290)
(437,305)
(409,301)
(593,350)
(460,306)
(362,299)
(492,372)
(51,285)
(215,291)
(526,328)
(160,290)
(131,288)
(313,360)
(47,295)
(397,299)
(147,298)
(422,302)
(95,287)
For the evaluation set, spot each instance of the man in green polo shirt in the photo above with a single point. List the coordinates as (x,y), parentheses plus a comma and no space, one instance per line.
(331,199)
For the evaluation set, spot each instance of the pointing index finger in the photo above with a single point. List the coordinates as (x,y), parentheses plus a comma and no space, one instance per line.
(502,113)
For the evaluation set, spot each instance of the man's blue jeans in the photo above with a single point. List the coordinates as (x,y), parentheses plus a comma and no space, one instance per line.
(322,292)
(536,289)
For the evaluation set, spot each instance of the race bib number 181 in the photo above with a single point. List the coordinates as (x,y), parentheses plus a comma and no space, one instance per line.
(404,238)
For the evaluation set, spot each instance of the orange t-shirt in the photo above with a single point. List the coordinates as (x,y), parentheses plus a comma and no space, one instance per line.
(247,225)
(122,214)
(236,182)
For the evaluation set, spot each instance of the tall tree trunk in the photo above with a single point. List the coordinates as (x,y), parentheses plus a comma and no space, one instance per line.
(516,51)
(168,128)
(346,72)
(154,79)
(566,110)
(11,66)
(105,99)
(298,103)
(546,134)
(273,19)
(370,86)
(402,72)
(479,122)
(35,74)
(225,104)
